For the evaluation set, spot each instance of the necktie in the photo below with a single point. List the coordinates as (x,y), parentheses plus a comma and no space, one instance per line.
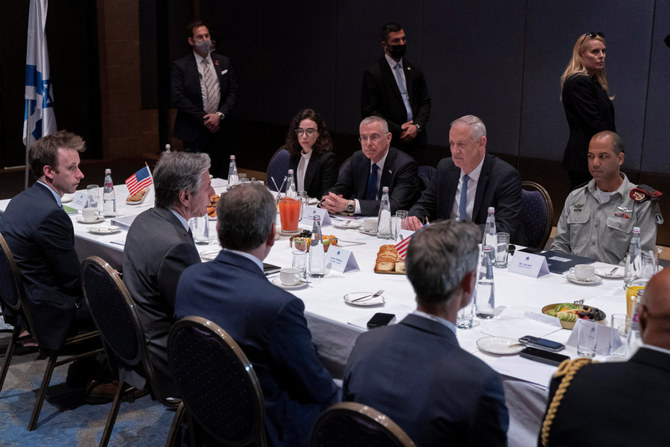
(463,203)
(212,88)
(371,192)
(403,90)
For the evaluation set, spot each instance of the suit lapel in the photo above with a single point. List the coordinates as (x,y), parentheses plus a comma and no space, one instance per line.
(409,76)
(481,187)
(390,78)
(387,172)
(361,172)
(452,184)
(192,73)
(311,168)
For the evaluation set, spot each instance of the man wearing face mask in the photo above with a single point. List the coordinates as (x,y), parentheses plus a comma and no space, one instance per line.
(204,90)
(395,89)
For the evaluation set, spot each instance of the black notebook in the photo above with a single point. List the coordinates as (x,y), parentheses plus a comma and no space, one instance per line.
(559,262)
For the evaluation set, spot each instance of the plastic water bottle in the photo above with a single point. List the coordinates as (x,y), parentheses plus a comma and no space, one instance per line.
(291,191)
(384,228)
(485,301)
(232,172)
(633,269)
(490,237)
(108,197)
(634,340)
(317,255)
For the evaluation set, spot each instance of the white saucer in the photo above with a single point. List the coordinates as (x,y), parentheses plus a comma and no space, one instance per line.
(573,279)
(605,273)
(111,229)
(499,345)
(350,298)
(349,223)
(277,282)
(97,220)
(369,233)
(290,233)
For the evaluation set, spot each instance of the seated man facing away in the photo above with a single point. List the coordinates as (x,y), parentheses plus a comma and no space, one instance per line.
(598,219)
(159,247)
(267,322)
(618,403)
(469,182)
(414,371)
(359,186)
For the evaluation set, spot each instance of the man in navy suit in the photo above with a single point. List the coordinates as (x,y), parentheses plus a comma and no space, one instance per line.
(359,186)
(619,403)
(414,371)
(395,89)
(267,322)
(159,247)
(490,182)
(204,91)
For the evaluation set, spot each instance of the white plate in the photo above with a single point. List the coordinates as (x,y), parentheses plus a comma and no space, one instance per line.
(349,223)
(111,229)
(499,345)
(605,272)
(67,198)
(312,201)
(97,220)
(277,282)
(369,233)
(350,298)
(573,279)
(137,203)
(290,233)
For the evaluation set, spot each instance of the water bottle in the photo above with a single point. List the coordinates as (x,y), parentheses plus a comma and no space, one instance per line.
(633,269)
(490,237)
(634,340)
(291,191)
(232,172)
(108,197)
(317,256)
(384,228)
(485,301)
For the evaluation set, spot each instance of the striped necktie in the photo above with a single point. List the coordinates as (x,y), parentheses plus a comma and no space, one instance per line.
(211,88)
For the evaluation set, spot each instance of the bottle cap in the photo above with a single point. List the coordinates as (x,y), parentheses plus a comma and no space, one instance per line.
(385,189)
(108,171)
(290,172)
(232,157)
(636,230)
(492,209)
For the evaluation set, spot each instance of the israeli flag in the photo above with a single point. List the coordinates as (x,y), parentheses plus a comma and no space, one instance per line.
(38,116)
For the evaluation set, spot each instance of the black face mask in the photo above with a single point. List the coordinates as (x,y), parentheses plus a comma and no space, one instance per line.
(397,51)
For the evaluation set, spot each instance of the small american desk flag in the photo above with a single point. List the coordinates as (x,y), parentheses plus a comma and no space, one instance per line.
(138,181)
(401,247)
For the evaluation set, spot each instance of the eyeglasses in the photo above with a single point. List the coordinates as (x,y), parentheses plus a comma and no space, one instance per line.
(373,138)
(309,132)
(592,36)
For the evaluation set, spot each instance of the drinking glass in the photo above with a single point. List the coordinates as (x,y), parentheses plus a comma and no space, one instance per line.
(289,214)
(586,338)
(465,316)
(300,262)
(501,250)
(92,196)
(200,229)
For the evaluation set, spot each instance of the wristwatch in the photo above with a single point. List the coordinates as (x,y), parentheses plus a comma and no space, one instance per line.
(418,127)
(221,115)
(351,207)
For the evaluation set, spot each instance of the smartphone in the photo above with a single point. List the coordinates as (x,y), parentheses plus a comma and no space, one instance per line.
(541,343)
(269,269)
(380,319)
(542,356)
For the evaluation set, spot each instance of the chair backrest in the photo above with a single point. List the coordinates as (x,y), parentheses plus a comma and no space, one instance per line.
(351,423)
(537,213)
(344,168)
(217,382)
(426,174)
(277,169)
(12,292)
(115,316)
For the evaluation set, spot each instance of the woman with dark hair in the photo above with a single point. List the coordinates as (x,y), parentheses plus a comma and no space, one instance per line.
(588,106)
(312,158)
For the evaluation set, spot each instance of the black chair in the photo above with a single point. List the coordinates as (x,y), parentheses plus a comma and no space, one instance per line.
(426,174)
(537,214)
(355,425)
(277,169)
(217,383)
(113,311)
(13,296)
(344,169)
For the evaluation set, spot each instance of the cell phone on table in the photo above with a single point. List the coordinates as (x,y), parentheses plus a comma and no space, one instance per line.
(541,343)
(269,269)
(380,319)
(542,356)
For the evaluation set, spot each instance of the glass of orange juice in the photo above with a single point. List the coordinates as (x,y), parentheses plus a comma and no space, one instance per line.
(289,214)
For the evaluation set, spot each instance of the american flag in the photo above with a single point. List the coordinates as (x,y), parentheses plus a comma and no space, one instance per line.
(138,181)
(401,247)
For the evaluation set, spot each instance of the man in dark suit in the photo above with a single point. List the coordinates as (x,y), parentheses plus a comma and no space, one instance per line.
(159,247)
(414,371)
(267,322)
(395,89)
(359,186)
(490,182)
(204,91)
(618,403)
(41,237)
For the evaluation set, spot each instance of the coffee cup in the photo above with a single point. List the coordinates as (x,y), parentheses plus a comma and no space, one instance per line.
(89,214)
(370,225)
(289,276)
(583,272)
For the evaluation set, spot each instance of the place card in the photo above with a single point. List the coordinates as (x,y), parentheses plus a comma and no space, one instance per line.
(528,264)
(607,338)
(309,212)
(79,200)
(341,260)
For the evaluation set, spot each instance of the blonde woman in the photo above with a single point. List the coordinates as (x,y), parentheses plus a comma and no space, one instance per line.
(587,103)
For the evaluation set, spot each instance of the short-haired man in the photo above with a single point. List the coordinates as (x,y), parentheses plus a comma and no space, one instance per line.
(359,186)
(598,219)
(267,322)
(469,182)
(395,89)
(160,246)
(618,403)
(41,236)
(414,371)
(204,91)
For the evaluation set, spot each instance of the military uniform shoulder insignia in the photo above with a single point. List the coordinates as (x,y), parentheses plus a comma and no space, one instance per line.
(642,193)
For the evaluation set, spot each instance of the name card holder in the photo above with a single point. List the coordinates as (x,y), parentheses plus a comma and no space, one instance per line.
(79,200)
(309,212)
(528,264)
(341,260)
